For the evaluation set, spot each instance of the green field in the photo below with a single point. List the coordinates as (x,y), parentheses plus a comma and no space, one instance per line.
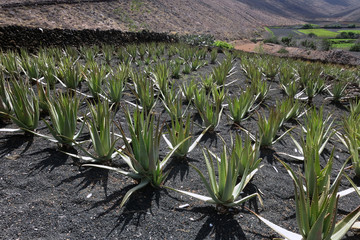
(354,31)
(342,45)
(269,31)
(319,32)
(342,40)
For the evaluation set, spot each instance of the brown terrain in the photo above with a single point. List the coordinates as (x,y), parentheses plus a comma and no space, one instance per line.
(226,19)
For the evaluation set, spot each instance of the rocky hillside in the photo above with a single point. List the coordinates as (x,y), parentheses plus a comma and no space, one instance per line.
(226,19)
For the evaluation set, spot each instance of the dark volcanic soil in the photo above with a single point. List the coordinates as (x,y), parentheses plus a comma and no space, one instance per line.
(45,194)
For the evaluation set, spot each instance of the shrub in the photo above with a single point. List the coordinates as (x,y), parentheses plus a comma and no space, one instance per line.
(283,51)
(355,47)
(272,39)
(222,44)
(287,40)
(308,44)
(351,25)
(307,26)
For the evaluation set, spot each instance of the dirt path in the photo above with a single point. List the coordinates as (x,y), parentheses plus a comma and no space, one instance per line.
(333,56)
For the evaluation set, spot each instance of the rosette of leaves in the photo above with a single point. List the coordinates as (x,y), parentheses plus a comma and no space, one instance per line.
(351,139)
(63,112)
(178,132)
(141,152)
(116,82)
(102,135)
(241,106)
(224,190)
(24,105)
(316,212)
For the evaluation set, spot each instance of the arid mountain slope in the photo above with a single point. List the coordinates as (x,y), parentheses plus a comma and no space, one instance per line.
(307,10)
(226,19)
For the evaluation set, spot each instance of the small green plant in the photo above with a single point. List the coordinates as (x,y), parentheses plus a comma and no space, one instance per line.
(209,112)
(63,111)
(141,154)
(269,127)
(174,106)
(270,68)
(144,91)
(188,90)
(223,71)
(5,106)
(179,131)
(175,70)
(318,133)
(108,52)
(213,55)
(260,88)
(222,44)
(70,73)
(95,78)
(241,106)
(316,212)
(116,82)
(10,63)
(187,68)
(29,65)
(207,83)
(337,91)
(290,108)
(225,190)
(351,139)
(101,129)
(24,105)
(160,76)
(246,154)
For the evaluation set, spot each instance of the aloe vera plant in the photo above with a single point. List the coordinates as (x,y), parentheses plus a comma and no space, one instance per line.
(290,108)
(247,155)
(290,89)
(213,55)
(178,132)
(337,91)
(270,68)
(316,212)
(351,139)
(174,107)
(95,78)
(188,90)
(241,106)
(70,73)
(103,137)
(187,68)
(207,82)
(210,113)
(141,154)
(5,106)
(24,105)
(318,132)
(29,65)
(160,77)
(223,71)
(175,70)
(286,75)
(225,190)
(144,91)
(269,127)
(108,52)
(355,107)
(10,63)
(63,112)
(116,83)
(260,88)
